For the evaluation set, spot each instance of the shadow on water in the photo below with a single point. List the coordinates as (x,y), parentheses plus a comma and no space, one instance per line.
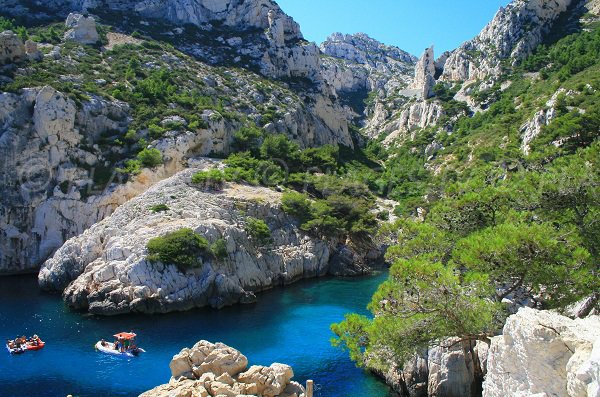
(289,325)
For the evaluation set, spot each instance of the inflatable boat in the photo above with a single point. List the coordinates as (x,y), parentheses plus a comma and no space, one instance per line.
(110,348)
(16,350)
(35,346)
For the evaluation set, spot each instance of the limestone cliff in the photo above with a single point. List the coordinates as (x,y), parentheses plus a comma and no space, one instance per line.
(512,35)
(60,152)
(542,353)
(105,270)
(209,369)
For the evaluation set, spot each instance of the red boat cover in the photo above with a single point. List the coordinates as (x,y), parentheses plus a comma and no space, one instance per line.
(125,335)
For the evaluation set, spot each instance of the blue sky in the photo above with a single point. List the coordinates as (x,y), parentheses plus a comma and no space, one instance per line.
(411,25)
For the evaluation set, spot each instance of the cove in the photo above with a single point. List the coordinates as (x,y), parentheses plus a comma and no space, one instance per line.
(288,325)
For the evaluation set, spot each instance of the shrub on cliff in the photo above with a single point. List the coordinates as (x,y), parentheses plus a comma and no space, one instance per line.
(183,248)
(212,179)
(258,230)
(150,157)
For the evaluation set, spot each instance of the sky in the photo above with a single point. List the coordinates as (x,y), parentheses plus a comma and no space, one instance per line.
(412,25)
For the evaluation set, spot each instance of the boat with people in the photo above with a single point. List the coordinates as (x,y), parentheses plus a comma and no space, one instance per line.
(124,345)
(22,344)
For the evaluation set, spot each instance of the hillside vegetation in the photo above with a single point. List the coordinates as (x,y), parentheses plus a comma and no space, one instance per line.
(498,225)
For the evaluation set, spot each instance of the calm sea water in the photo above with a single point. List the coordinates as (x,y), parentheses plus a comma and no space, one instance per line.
(288,325)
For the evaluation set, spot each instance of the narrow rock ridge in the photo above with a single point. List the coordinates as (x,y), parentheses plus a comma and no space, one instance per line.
(209,369)
(512,35)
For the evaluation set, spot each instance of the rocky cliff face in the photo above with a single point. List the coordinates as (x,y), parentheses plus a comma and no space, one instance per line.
(105,269)
(209,369)
(453,369)
(55,160)
(357,66)
(257,30)
(512,35)
(542,353)
(357,62)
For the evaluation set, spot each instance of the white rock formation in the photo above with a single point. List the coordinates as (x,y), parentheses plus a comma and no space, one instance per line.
(209,369)
(356,66)
(513,34)
(105,269)
(11,48)
(82,29)
(546,354)
(452,369)
(425,74)
(416,115)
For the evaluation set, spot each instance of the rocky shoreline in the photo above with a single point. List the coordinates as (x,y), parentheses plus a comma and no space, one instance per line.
(539,353)
(105,270)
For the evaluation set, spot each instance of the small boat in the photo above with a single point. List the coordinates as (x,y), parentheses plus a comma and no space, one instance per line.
(125,346)
(35,345)
(21,345)
(16,350)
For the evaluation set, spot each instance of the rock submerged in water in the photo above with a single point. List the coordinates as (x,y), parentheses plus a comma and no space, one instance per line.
(105,270)
(209,369)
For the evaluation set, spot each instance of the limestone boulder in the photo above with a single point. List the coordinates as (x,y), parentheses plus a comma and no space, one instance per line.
(209,369)
(12,48)
(82,29)
(270,381)
(544,352)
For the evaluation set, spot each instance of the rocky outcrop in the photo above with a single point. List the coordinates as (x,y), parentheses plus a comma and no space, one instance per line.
(358,62)
(82,29)
(513,34)
(545,354)
(209,369)
(414,116)
(11,48)
(356,66)
(106,271)
(424,74)
(453,369)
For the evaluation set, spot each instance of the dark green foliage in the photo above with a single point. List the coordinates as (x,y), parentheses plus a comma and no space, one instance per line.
(258,230)
(212,179)
(159,208)
(219,248)
(248,139)
(182,248)
(150,157)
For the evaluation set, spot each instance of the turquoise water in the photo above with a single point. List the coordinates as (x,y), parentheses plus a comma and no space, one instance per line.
(288,325)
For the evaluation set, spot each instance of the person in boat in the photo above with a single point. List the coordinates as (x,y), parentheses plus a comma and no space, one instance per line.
(11,344)
(103,342)
(116,344)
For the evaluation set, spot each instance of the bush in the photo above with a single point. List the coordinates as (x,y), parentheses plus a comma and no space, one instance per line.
(159,208)
(182,248)
(279,147)
(150,157)
(258,230)
(219,248)
(247,138)
(297,205)
(212,179)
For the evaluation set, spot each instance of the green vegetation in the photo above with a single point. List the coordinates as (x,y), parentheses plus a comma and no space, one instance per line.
(159,208)
(258,230)
(182,248)
(213,179)
(495,220)
(219,248)
(150,157)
